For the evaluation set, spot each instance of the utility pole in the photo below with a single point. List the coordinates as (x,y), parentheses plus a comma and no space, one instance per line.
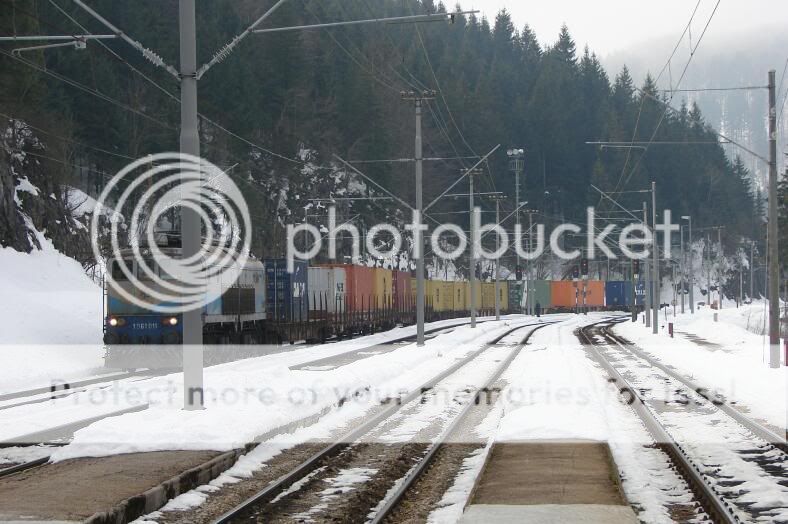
(418,99)
(498,199)
(472,272)
(774,267)
(682,275)
(720,259)
(633,294)
(691,262)
(190,221)
(530,280)
(647,303)
(752,270)
(655,255)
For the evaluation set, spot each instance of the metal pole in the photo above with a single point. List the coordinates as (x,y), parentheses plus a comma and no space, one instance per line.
(633,294)
(190,221)
(497,262)
(420,259)
(530,303)
(691,269)
(774,268)
(682,270)
(720,257)
(655,255)
(647,303)
(752,270)
(472,272)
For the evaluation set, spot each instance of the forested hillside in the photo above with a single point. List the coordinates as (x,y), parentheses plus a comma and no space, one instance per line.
(306,95)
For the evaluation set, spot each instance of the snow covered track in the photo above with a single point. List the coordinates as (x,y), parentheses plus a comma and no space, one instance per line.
(396,426)
(738,475)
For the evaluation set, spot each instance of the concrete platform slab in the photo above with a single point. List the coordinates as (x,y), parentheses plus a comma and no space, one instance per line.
(548,514)
(108,489)
(549,472)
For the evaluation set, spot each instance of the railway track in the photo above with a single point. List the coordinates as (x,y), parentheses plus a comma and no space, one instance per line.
(34,449)
(736,468)
(390,469)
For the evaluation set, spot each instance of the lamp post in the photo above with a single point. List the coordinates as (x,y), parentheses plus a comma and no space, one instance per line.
(691,253)
(516,164)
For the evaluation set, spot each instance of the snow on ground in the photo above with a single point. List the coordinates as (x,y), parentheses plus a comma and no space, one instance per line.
(50,319)
(738,368)
(248,398)
(556,392)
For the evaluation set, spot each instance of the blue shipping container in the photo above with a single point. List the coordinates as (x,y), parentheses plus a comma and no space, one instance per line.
(640,293)
(617,293)
(286,293)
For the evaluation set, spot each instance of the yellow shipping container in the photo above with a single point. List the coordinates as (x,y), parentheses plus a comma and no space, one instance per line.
(433,294)
(458,295)
(381,286)
(504,293)
(478,289)
(447,296)
(488,295)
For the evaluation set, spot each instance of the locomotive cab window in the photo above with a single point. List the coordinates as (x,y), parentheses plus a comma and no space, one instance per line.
(151,265)
(117,271)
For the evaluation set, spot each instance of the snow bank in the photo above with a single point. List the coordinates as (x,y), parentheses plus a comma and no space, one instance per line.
(50,319)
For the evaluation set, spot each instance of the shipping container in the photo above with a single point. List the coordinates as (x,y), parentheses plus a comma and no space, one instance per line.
(401,292)
(381,287)
(459,291)
(447,296)
(433,294)
(326,289)
(478,289)
(542,293)
(563,294)
(503,292)
(488,295)
(640,292)
(286,293)
(515,296)
(359,286)
(594,293)
(617,293)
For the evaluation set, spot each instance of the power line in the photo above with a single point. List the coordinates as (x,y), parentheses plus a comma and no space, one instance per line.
(704,89)
(665,112)
(642,100)
(177,99)
(82,87)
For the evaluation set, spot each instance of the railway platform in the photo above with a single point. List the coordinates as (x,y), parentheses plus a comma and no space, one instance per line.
(549,482)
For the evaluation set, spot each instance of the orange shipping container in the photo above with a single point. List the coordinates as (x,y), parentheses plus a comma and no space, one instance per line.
(359,286)
(563,293)
(401,288)
(567,293)
(595,293)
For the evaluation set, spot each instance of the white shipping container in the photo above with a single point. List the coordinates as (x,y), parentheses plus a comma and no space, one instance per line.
(326,289)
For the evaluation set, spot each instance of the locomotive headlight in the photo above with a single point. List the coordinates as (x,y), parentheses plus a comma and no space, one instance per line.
(113,322)
(173,321)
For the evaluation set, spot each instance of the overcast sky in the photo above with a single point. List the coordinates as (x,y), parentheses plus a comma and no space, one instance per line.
(609,26)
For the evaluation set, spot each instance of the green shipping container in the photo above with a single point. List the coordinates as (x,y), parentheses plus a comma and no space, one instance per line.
(541,291)
(515,296)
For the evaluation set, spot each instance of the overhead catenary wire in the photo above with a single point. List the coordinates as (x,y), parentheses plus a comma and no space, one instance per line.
(683,74)
(175,98)
(687,28)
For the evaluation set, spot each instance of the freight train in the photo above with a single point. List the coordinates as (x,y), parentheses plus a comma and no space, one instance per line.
(267,304)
